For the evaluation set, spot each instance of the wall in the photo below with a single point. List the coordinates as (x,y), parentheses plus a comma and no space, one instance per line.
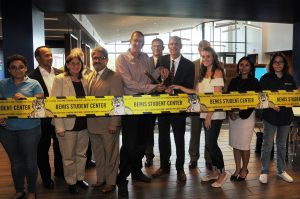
(276,37)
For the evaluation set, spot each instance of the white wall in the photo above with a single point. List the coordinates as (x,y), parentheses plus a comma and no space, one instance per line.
(276,37)
(254,42)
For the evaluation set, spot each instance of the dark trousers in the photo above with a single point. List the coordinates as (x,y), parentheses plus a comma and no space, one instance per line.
(48,132)
(89,153)
(177,121)
(211,138)
(21,147)
(135,133)
(150,144)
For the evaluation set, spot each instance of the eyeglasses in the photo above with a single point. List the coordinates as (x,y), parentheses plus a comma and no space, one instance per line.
(278,62)
(100,58)
(17,68)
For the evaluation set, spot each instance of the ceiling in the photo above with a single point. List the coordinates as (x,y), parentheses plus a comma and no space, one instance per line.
(114,20)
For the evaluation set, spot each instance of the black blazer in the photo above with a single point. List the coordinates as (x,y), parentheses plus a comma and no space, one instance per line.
(36,74)
(184,75)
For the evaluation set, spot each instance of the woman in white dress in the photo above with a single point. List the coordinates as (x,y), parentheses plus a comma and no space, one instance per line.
(241,123)
(211,80)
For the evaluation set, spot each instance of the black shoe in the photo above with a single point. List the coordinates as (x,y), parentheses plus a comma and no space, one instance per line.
(123,191)
(193,164)
(73,189)
(181,176)
(160,172)
(82,184)
(23,196)
(141,178)
(233,177)
(149,162)
(90,164)
(239,178)
(49,184)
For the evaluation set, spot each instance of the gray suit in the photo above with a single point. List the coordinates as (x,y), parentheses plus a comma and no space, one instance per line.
(196,127)
(105,145)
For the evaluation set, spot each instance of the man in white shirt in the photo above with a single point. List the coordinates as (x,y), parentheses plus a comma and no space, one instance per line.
(45,74)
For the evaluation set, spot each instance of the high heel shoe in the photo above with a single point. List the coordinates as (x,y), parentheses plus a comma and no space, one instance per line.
(220,184)
(239,178)
(22,196)
(234,177)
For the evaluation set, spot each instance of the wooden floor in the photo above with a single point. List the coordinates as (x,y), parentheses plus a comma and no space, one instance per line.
(168,188)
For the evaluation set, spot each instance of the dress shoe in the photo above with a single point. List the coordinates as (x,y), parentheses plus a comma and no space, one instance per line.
(90,164)
(82,184)
(239,178)
(149,162)
(22,196)
(73,189)
(141,178)
(181,176)
(160,172)
(49,184)
(107,188)
(193,164)
(31,196)
(123,190)
(220,184)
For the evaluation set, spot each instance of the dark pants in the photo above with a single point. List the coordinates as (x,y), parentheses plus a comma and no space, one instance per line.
(196,126)
(21,147)
(177,121)
(211,138)
(48,132)
(89,153)
(150,144)
(135,133)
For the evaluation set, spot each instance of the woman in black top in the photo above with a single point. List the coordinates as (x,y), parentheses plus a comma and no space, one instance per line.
(277,119)
(241,123)
(72,133)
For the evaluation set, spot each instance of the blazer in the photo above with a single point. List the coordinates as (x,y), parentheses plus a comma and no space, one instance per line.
(63,86)
(184,75)
(36,74)
(197,71)
(110,83)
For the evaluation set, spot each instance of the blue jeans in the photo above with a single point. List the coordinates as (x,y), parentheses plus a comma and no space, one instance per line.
(281,137)
(21,147)
(211,139)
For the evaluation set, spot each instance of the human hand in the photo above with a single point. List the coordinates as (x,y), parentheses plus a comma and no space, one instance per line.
(160,87)
(18,96)
(207,122)
(164,74)
(112,129)
(61,133)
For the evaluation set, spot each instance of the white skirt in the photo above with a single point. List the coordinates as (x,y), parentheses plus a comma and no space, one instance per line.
(241,132)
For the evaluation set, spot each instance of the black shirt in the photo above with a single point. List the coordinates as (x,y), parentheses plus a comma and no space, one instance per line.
(241,85)
(80,122)
(270,81)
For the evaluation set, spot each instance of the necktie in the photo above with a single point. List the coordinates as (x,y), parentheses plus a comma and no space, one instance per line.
(94,80)
(172,72)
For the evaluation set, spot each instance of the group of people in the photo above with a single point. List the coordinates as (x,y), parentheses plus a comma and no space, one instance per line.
(28,140)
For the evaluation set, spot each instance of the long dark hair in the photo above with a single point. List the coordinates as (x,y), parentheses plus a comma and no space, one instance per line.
(251,66)
(215,66)
(285,69)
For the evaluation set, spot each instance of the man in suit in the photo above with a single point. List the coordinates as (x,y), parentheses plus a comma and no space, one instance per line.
(132,66)
(182,73)
(157,48)
(104,131)
(196,124)
(45,74)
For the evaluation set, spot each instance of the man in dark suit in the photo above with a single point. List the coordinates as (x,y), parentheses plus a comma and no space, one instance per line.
(181,73)
(45,74)
(157,48)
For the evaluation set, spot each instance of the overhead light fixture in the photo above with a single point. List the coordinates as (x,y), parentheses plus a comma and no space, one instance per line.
(230,29)
(253,26)
(59,30)
(51,19)
(151,34)
(220,25)
(179,29)
(54,36)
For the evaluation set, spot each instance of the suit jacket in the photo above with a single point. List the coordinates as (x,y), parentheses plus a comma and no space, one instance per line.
(197,71)
(63,86)
(185,73)
(36,74)
(110,83)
